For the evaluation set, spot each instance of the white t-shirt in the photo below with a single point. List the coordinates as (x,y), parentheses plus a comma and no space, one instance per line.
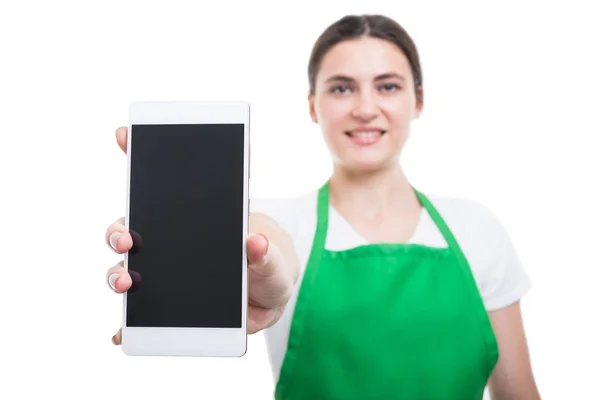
(485,243)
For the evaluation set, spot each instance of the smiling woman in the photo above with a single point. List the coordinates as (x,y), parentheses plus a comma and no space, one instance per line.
(400,294)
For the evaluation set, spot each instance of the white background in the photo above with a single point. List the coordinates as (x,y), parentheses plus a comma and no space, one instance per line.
(511,120)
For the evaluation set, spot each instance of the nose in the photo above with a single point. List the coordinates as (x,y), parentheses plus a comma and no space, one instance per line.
(366,107)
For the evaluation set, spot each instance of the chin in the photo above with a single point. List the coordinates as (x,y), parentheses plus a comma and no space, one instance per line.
(367,165)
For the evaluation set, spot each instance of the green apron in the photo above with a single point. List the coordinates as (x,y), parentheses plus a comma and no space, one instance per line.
(387,321)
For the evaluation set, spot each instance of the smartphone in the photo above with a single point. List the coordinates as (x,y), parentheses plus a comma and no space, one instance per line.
(187,211)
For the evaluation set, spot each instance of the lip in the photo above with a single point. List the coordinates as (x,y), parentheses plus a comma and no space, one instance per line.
(366,129)
(374,134)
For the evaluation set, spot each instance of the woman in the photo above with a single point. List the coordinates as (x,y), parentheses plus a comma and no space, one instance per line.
(367,288)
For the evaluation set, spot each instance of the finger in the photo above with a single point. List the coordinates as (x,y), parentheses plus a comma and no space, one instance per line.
(122,138)
(270,285)
(263,257)
(116,339)
(257,246)
(117,237)
(118,279)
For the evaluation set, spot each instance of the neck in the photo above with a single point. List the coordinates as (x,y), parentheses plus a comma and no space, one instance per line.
(374,192)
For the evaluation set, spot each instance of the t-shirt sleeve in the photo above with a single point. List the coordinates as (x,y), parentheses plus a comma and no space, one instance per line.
(503,279)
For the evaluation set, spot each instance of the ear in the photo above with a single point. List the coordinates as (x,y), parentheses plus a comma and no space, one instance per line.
(419,105)
(311,108)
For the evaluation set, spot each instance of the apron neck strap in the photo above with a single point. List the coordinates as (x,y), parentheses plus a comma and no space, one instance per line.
(323,217)
(437,219)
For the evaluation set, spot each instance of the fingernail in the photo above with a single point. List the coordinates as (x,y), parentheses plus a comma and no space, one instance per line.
(114,237)
(113,340)
(112,279)
(252,234)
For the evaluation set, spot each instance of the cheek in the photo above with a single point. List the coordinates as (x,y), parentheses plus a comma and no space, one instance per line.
(333,116)
(398,113)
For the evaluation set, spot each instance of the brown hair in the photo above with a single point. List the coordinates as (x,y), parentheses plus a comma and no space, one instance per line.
(357,26)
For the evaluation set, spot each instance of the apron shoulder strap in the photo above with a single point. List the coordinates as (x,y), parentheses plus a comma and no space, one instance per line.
(322,217)
(440,223)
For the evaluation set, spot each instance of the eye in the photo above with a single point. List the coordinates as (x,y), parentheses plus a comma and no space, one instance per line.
(389,87)
(340,89)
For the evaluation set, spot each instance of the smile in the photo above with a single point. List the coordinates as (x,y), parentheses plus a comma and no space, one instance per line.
(369,134)
(365,137)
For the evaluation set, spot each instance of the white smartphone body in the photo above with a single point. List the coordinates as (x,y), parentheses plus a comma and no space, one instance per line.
(187,211)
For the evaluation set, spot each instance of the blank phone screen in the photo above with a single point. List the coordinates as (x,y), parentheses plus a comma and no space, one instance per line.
(186,216)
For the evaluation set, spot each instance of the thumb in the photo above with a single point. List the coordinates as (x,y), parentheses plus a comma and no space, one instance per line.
(260,254)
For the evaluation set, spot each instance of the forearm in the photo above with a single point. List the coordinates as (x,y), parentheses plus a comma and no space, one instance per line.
(513,377)
(523,389)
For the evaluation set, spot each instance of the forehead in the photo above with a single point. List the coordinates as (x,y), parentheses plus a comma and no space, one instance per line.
(364,58)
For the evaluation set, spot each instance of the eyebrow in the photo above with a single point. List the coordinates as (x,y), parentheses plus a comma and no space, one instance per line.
(344,78)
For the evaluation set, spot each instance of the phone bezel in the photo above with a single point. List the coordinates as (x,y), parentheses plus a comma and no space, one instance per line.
(175,341)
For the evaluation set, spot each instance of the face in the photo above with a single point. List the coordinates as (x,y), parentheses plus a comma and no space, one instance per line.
(364,102)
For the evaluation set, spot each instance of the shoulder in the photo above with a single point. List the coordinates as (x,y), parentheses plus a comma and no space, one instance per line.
(486,244)
(470,221)
(461,208)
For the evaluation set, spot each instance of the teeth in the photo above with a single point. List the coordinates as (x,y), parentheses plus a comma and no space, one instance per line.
(366,135)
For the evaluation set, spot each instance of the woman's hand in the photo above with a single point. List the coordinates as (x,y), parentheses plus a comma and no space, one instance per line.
(272,265)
